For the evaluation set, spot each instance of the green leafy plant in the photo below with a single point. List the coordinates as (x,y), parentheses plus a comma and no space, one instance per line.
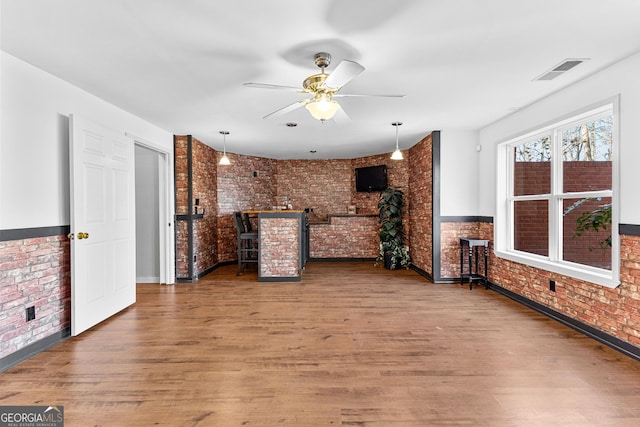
(390,207)
(595,220)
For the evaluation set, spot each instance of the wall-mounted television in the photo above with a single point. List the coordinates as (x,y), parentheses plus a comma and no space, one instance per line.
(371,178)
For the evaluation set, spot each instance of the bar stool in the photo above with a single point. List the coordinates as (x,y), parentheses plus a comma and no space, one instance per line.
(471,245)
(248,227)
(247,242)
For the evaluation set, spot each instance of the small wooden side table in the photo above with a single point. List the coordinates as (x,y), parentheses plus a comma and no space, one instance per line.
(467,247)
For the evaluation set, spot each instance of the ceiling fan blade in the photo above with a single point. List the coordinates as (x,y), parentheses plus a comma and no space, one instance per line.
(341,116)
(344,72)
(343,95)
(289,108)
(270,86)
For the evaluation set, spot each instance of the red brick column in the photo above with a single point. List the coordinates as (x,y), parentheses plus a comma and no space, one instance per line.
(421,204)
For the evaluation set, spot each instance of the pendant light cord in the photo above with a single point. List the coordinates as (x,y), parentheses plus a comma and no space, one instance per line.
(224,144)
(396,125)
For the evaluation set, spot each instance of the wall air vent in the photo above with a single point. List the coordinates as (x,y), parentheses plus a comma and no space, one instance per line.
(560,69)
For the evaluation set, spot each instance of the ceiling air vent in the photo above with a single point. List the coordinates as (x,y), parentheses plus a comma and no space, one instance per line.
(560,69)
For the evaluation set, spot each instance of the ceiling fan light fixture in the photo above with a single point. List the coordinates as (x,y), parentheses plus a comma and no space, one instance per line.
(322,107)
(224,160)
(322,87)
(322,110)
(397,154)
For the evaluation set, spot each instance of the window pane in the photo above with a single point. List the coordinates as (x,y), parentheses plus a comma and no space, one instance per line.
(531,226)
(532,167)
(586,151)
(587,231)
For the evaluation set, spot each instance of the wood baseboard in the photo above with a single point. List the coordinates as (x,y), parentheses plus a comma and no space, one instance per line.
(34,348)
(601,336)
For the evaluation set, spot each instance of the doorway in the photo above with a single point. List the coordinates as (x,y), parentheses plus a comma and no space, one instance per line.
(154,227)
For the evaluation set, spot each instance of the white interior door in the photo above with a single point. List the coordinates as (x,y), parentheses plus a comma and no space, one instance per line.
(103,250)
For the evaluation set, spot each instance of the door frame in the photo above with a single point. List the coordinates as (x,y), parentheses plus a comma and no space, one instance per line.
(165,208)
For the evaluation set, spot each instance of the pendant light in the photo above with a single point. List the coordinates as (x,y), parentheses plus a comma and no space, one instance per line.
(224,160)
(397,154)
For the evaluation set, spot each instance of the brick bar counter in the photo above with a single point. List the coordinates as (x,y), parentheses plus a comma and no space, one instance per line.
(282,240)
(345,237)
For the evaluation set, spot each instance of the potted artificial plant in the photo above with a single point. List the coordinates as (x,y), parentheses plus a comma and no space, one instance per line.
(393,252)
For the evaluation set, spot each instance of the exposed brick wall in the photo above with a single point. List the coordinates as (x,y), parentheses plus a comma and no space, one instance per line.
(238,189)
(182,252)
(181,173)
(397,176)
(37,271)
(328,186)
(614,311)
(204,188)
(227,239)
(33,272)
(324,185)
(450,234)
(421,204)
(627,295)
(280,249)
(345,237)
(205,230)
(367,203)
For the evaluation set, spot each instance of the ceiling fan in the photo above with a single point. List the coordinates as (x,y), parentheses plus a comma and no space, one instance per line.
(324,87)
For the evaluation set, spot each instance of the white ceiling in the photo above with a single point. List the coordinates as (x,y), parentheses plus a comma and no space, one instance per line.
(180,64)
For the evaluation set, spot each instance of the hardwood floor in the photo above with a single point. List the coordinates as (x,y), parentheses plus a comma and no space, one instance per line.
(350,345)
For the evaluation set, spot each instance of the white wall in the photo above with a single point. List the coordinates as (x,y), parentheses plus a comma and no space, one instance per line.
(459,173)
(34,153)
(618,79)
(1,91)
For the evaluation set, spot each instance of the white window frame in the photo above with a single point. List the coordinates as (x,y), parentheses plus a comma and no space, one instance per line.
(503,227)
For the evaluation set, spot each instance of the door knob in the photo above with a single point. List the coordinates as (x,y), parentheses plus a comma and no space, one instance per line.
(82,235)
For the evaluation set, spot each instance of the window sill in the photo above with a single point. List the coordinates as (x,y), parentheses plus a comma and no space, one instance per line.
(589,274)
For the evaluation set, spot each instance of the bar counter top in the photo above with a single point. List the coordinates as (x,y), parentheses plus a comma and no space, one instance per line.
(258,211)
(316,221)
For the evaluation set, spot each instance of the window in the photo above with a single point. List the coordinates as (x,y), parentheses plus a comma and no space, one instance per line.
(557,207)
